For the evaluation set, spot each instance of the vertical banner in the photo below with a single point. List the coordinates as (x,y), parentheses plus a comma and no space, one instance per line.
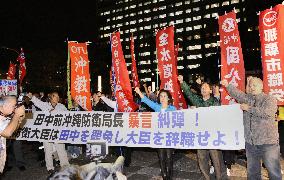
(134,67)
(69,98)
(11,71)
(22,69)
(80,76)
(181,100)
(166,61)
(231,55)
(271,29)
(123,91)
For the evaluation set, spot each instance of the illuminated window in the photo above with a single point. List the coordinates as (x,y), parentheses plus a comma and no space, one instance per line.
(207,16)
(225,3)
(133,22)
(172,14)
(147,27)
(196,9)
(178,4)
(162,16)
(214,5)
(147,11)
(132,6)
(132,14)
(187,2)
(214,15)
(207,6)
(180,30)
(188,28)
(146,3)
(196,18)
(162,7)
(197,27)
(234,1)
(178,12)
(179,21)
(187,19)
(197,36)
(140,12)
(188,11)
(140,20)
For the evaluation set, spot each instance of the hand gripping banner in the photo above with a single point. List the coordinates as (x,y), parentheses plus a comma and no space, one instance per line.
(271,29)
(231,55)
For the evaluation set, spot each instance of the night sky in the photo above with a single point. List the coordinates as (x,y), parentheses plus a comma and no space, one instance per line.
(41,28)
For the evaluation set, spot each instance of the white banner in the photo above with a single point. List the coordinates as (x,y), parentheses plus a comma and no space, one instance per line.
(8,87)
(216,127)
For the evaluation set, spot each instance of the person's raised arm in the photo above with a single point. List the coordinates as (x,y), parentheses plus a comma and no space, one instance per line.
(109,102)
(234,92)
(146,100)
(194,98)
(44,106)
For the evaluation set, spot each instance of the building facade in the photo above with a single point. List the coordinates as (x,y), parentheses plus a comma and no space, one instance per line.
(196,32)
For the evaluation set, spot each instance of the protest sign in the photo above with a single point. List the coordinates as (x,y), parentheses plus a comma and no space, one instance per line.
(215,127)
(8,87)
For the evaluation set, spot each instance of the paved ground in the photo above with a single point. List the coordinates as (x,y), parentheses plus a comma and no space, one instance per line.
(144,166)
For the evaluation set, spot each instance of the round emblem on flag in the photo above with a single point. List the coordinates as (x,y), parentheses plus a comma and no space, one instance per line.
(114,41)
(269,19)
(228,25)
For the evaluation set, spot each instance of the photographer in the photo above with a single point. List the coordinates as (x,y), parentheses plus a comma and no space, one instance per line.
(11,117)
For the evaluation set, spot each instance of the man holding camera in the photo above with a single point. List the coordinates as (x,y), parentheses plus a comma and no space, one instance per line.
(11,117)
(52,105)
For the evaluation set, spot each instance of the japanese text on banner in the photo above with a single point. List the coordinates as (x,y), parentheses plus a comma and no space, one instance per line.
(80,76)
(272,51)
(166,62)
(231,55)
(123,91)
(184,129)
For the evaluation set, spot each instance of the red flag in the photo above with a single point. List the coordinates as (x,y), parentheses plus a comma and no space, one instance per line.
(181,100)
(22,70)
(166,61)
(271,29)
(11,71)
(134,68)
(123,91)
(80,76)
(231,55)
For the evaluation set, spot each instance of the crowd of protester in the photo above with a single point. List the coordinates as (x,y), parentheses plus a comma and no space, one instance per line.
(261,115)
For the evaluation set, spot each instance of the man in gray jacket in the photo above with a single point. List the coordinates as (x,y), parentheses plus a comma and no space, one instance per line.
(261,133)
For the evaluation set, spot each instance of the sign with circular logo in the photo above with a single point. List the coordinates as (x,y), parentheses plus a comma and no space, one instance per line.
(228,25)
(114,41)
(269,19)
